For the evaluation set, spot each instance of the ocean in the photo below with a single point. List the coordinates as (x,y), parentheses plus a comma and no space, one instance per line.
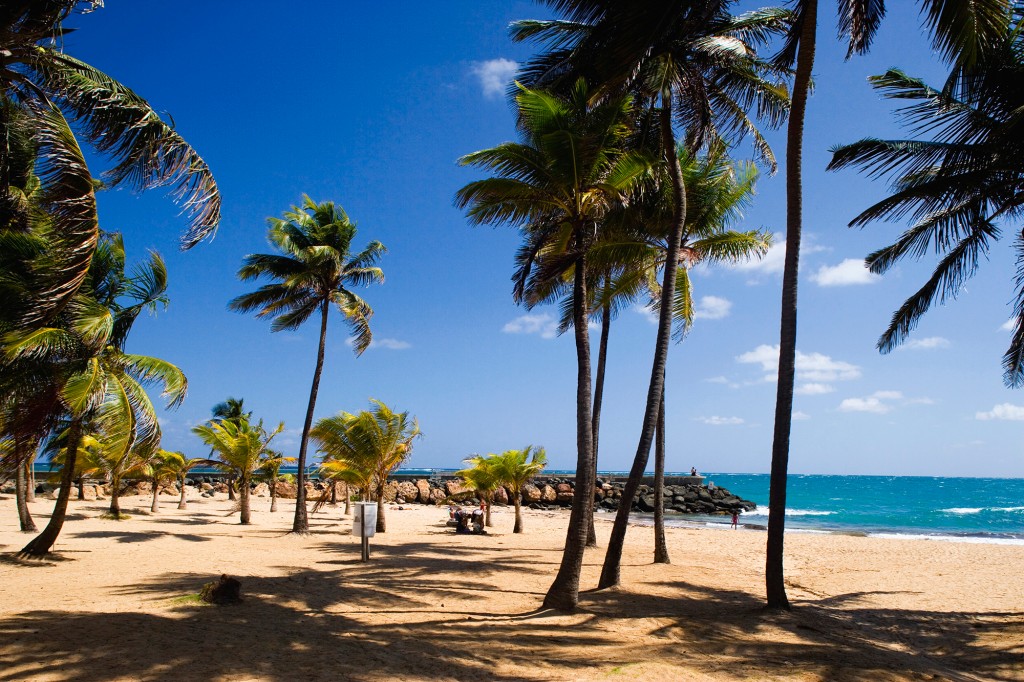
(964,509)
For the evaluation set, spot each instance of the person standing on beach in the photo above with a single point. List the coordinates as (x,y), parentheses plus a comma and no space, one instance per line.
(735,519)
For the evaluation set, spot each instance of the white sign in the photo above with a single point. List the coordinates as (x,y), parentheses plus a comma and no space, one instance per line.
(364,519)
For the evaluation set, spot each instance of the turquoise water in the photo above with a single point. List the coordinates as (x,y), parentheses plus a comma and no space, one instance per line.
(979,509)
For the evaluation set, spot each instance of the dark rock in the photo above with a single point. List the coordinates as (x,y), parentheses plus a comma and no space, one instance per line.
(227,590)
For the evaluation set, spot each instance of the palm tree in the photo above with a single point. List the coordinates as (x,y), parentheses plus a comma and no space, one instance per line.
(515,468)
(163,468)
(180,468)
(241,448)
(958,187)
(556,186)
(364,448)
(232,408)
(961,31)
(313,270)
(270,472)
(58,96)
(698,63)
(118,465)
(481,477)
(80,371)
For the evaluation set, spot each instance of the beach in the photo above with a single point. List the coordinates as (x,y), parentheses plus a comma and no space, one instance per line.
(117,602)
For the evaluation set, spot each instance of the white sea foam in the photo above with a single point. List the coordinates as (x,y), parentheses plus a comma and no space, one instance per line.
(950,538)
(978,510)
(789,512)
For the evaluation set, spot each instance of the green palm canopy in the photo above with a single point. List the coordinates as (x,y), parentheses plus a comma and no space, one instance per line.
(313,270)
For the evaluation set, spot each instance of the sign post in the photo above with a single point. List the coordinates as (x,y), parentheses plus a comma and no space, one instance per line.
(364,525)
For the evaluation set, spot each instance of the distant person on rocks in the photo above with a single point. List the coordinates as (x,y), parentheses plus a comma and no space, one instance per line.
(693,471)
(711,486)
(735,519)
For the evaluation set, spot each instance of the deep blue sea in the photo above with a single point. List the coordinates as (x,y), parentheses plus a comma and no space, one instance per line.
(968,509)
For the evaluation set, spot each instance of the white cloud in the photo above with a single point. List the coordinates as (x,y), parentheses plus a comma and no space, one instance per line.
(648,314)
(874,403)
(494,75)
(814,367)
(800,416)
(813,389)
(1009,325)
(712,308)
(543,324)
(389,344)
(1006,412)
(928,343)
(720,421)
(717,380)
(850,271)
(773,262)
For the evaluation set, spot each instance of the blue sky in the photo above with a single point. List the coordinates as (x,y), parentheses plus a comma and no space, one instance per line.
(370,107)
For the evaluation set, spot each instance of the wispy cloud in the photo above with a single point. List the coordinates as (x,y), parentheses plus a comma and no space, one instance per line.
(387,344)
(1009,325)
(813,367)
(774,261)
(878,402)
(543,324)
(720,421)
(850,272)
(801,416)
(494,75)
(1005,412)
(928,343)
(813,389)
(712,308)
(647,313)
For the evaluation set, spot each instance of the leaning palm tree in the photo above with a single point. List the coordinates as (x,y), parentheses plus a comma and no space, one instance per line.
(515,468)
(61,99)
(364,448)
(962,31)
(556,187)
(79,370)
(163,468)
(958,187)
(481,477)
(313,270)
(699,65)
(241,448)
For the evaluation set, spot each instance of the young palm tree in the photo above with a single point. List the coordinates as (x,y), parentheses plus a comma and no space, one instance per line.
(180,468)
(241,448)
(60,99)
(163,468)
(515,468)
(365,448)
(962,30)
(699,64)
(958,187)
(313,270)
(481,477)
(232,408)
(557,186)
(270,472)
(80,370)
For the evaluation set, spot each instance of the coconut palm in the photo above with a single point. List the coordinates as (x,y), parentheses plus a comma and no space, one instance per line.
(313,270)
(232,408)
(958,187)
(364,448)
(481,477)
(270,471)
(180,468)
(556,187)
(163,468)
(241,448)
(515,468)
(79,370)
(699,64)
(61,99)
(962,31)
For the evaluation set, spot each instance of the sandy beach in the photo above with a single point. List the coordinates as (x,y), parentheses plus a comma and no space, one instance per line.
(117,603)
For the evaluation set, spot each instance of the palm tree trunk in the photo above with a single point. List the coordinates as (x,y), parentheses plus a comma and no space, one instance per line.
(155,507)
(660,546)
(334,494)
(348,500)
(115,498)
(243,493)
(518,502)
(182,504)
(231,487)
(613,557)
(273,495)
(774,578)
(488,499)
(381,525)
(602,361)
(565,590)
(41,544)
(28,525)
(80,484)
(301,522)
(30,474)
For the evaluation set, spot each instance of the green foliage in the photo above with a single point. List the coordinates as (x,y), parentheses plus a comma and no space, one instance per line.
(516,468)
(241,446)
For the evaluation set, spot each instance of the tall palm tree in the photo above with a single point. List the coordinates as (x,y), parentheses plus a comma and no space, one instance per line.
(515,468)
(958,187)
(556,186)
(313,270)
(364,448)
(241,447)
(80,371)
(60,99)
(698,64)
(961,30)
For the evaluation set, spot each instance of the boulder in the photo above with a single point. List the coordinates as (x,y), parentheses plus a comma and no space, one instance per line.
(598,494)
(645,503)
(408,491)
(141,488)
(454,486)
(220,487)
(261,490)
(286,491)
(205,486)
(548,495)
(500,496)
(423,488)
(227,590)
(531,493)
(437,496)
(563,494)
(390,492)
